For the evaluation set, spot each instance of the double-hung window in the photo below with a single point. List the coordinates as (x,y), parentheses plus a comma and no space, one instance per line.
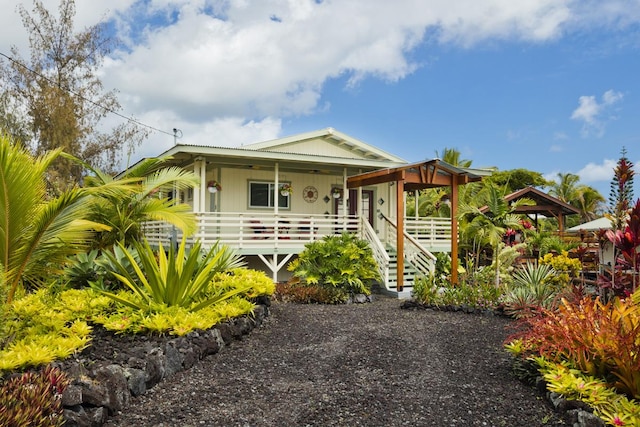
(261,195)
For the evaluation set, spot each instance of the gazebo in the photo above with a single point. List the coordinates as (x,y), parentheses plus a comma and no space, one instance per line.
(419,176)
(544,205)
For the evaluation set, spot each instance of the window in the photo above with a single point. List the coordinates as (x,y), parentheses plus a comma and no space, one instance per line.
(261,195)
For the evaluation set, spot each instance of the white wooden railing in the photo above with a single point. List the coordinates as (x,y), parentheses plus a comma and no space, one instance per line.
(261,232)
(414,252)
(379,252)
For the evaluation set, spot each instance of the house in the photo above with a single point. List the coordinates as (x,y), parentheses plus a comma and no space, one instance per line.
(267,200)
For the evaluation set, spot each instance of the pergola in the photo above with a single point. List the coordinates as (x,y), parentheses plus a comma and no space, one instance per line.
(420,176)
(544,205)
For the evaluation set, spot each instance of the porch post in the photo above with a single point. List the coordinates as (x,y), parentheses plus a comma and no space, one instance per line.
(454,230)
(345,194)
(400,231)
(276,189)
(197,167)
(203,185)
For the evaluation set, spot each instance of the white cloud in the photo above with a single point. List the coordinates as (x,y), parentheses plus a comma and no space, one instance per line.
(591,112)
(556,148)
(593,172)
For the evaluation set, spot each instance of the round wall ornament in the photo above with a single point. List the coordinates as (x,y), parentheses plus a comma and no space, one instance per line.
(310,194)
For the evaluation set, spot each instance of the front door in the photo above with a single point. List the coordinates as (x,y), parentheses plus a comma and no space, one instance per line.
(353,205)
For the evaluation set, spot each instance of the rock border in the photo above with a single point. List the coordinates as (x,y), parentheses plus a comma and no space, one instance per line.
(102,389)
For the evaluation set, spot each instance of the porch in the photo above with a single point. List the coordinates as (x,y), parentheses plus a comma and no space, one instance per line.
(275,238)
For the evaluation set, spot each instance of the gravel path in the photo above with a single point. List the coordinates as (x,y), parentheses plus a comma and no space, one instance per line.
(351,365)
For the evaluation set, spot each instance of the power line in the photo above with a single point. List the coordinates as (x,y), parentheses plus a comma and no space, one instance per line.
(109,110)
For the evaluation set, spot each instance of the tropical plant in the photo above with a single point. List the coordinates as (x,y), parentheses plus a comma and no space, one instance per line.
(45,326)
(488,224)
(37,234)
(343,262)
(33,399)
(602,340)
(177,278)
(139,195)
(566,269)
(621,193)
(529,291)
(482,296)
(627,244)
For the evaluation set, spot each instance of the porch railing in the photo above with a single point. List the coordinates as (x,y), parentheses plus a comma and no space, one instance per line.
(250,231)
(414,252)
(379,252)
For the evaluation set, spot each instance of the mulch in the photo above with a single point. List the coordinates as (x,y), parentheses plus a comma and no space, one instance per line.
(372,364)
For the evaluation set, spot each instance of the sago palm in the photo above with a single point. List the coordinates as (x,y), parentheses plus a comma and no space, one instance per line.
(36,234)
(138,199)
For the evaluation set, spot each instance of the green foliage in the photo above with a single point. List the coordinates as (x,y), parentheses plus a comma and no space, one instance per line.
(479,296)
(304,293)
(602,340)
(531,289)
(233,278)
(43,327)
(37,234)
(33,399)
(566,269)
(342,262)
(613,408)
(174,320)
(135,197)
(64,111)
(179,278)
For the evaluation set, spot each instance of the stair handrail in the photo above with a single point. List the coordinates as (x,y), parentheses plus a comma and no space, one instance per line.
(379,253)
(416,254)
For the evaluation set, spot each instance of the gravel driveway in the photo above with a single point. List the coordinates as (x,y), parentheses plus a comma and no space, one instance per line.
(351,365)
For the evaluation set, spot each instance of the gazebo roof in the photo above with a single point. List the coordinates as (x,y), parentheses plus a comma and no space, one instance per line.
(544,203)
(418,176)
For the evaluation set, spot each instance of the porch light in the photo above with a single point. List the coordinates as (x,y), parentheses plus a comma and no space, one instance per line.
(336,192)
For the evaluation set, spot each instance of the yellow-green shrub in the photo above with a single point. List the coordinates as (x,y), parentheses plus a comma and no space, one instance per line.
(260,283)
(173,320)
(566,268)
(613,408)
(45,326)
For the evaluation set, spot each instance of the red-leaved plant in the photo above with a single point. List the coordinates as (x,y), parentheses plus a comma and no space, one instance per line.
(627,242)
(33,399)
(602,340)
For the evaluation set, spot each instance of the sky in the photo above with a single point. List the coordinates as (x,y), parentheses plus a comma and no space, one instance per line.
(547,85)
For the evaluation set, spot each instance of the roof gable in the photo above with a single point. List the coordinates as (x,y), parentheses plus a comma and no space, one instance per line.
(327,142)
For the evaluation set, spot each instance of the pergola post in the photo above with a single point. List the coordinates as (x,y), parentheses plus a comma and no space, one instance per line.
(400,232)
(454,230)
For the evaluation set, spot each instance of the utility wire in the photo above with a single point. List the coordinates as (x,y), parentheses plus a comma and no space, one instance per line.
(109,110)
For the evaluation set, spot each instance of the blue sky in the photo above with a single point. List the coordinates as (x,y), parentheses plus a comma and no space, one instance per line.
(546,85)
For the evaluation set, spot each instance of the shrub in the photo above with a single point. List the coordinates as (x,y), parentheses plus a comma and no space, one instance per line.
(43,327)
(565,268)
(175,279)
(304,293)
(341,262)
(33,399)
(480,296)
(530,291)
(602,340)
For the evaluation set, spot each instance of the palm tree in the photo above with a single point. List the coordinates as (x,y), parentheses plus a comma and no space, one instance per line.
(489,223)
(589,202)
(36,234)
(452,156)
(136,197)
(567,189)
